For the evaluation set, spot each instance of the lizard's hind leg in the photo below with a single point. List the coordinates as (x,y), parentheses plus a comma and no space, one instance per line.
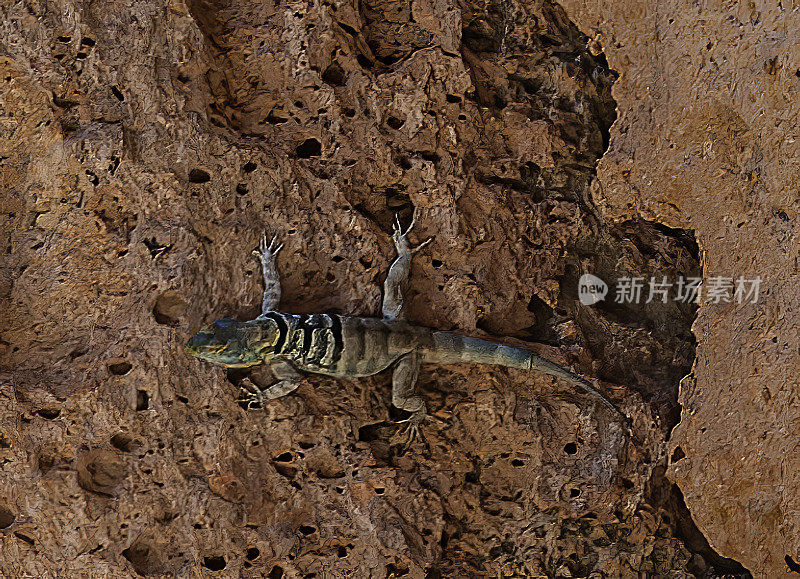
(397,278)
(272,283)
(404,395)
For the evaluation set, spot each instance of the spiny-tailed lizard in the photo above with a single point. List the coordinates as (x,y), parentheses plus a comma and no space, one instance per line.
(351,347)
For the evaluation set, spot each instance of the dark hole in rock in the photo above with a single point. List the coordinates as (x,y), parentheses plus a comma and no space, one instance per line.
(169,308)
(571,448)
(183,399)
(6,517)
(124,442)
(393,570)
(252,553)
(118,94)
(364,61)
(394,122)
(93,179)
(436,263)
(86,41)
(199,176)
(241,189)
(677,454)
(49,413)
(249,167)
(307,530)
(215,563)
(139,555)
(120,368)
(24,537)
(379,490)
(334,74)
(349,29)
(462,117)
(627,483)
(276,572)
(81,55)
(371,432)
(397,200)
(337,259)
(64,38)
(285,457)
(453,98)
(142,400)
(574,493)
(63,102)
(431,156)
(112,167)
(274,119)
(473,476)
(309,148)
(341,551)
(154,247)
(792,564)
(349,112)
(517,462)
(100,470)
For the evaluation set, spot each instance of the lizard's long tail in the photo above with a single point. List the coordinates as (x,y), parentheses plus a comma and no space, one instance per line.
(451,348)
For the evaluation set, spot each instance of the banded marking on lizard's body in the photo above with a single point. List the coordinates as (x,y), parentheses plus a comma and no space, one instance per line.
(352,347)
(311,340)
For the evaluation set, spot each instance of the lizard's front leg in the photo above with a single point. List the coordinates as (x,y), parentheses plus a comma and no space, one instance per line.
(404,395)
(272,284)
(288,380)
(397,278)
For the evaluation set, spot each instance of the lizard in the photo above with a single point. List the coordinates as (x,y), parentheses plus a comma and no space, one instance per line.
(344,346)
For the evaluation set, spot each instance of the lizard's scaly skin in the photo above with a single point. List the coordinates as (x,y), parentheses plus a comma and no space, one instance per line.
(351,347)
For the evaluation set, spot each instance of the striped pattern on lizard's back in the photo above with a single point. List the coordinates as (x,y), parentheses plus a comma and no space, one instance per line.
(344,346)
(313,342)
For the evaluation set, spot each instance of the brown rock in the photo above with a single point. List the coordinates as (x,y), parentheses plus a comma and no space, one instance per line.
(147,148)
(100,470)
(703,142)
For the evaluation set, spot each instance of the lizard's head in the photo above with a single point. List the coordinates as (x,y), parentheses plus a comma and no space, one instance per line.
(231,344)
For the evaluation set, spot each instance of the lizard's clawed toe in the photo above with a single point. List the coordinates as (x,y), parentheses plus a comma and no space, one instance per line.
(250,397)
(400,236)
(274,245)
(268,249)
(412,432)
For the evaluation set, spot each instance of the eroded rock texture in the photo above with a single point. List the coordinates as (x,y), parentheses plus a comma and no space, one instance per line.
(146,147)
(707,139)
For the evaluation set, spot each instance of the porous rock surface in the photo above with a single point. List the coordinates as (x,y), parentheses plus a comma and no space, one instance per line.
(707,139)
(147,146)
